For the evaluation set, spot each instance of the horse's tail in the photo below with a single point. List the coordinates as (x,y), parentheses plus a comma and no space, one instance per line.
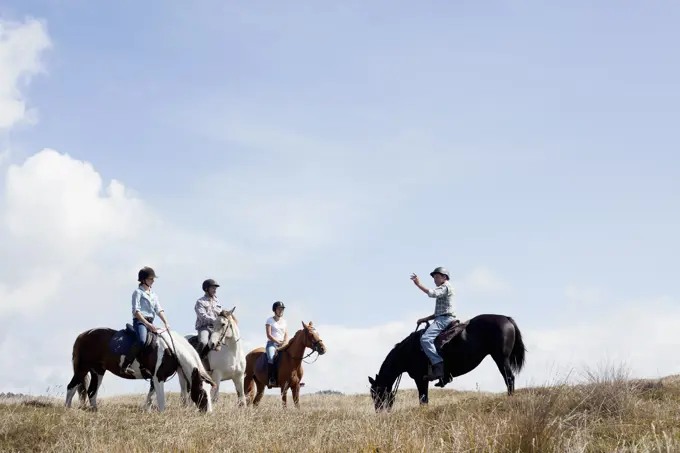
(75,359)
(518,350)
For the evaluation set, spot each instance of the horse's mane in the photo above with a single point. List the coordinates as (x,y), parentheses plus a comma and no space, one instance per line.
(186,354)
(396,352)
(287,345)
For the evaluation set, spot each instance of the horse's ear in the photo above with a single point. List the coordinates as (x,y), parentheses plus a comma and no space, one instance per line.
(371,381)
(310,323)
(233,309)
(304,326)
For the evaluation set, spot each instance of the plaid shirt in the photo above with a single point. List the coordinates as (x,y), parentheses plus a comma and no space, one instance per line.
(206,312)
(444,294)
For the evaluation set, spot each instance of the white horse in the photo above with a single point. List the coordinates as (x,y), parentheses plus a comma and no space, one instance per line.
(95,353)
(226,359)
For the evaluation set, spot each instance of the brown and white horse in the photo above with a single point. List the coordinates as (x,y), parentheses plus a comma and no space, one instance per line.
(289,361)
(96,351)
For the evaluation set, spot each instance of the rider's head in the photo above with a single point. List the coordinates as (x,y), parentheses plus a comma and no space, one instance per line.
(440,275)
(146,276)
(210,287)
(278,308)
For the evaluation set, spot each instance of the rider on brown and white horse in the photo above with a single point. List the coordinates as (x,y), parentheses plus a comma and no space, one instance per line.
(145,307)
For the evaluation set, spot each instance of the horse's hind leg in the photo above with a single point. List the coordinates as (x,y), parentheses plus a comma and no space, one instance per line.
(503,364)
(93,389)
(260,392)
(76,384)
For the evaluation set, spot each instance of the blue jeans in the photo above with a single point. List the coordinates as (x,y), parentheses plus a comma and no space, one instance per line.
(141,330)
(271,350)
(427,340)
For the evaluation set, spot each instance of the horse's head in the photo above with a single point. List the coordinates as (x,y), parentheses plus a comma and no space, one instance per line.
(225,328)
(382,395)
(312,339)
(201,385)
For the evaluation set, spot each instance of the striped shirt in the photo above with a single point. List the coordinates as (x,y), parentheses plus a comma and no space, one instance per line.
(206,312)
(444,295)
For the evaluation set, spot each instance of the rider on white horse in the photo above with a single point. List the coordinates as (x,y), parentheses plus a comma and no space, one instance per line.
(442,317)
(207,310)
(145,307)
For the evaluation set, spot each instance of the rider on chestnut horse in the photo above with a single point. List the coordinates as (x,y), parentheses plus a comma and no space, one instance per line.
(443,315)
(145,307)
(277,335)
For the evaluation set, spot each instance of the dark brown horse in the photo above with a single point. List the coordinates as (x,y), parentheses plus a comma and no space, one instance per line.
(463,346)
(97,351)
(288,361)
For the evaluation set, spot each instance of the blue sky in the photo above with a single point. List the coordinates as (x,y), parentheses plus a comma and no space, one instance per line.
(319,155)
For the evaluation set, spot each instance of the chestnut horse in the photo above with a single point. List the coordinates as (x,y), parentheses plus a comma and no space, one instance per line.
(99,350)
(288,359)
(463,346)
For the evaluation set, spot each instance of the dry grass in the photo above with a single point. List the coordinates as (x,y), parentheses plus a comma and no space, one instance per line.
(608,414)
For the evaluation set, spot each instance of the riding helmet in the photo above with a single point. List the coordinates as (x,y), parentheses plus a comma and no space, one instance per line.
(277,304)
(144,273)
(208,283)
(441,270)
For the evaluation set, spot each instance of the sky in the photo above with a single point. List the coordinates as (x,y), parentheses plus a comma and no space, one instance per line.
(319,155)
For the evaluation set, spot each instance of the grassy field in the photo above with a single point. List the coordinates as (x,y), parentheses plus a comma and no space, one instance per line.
(606,414)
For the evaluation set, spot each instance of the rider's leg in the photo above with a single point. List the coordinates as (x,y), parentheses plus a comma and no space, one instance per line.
(203,338)
(427,341)
(271,351)
(136,348)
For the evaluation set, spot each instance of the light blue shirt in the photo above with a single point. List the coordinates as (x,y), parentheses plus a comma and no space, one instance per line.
(145,302)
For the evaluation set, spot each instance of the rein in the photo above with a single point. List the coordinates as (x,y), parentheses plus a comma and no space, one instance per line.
(314,343)
(393,393)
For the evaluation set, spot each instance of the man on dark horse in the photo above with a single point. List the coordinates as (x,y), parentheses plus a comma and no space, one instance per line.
(207,310)
(145,307)
(444,313)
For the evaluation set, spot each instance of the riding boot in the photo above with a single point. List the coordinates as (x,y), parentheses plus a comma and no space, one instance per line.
(130,357)
(272,377)
(437,372)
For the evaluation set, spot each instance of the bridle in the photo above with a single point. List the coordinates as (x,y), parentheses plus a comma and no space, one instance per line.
(393,393)
(230,325)
(314,348)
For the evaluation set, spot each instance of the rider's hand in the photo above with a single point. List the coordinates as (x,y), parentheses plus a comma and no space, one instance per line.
(420,321)
(167,327)
(415,279)
(152,328)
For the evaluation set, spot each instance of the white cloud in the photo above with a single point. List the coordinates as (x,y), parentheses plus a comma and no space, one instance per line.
(483,280)
(21,48)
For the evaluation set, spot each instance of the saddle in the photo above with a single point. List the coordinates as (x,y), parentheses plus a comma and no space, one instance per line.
(452,330)
(193,341)
(262,365)
(123,339)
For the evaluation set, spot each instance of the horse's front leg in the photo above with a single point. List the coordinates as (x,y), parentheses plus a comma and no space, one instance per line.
(184,398)
(216,390)
(295,390)
(423,390)
(284,395)
(160,393)
(239,385)
(149,396)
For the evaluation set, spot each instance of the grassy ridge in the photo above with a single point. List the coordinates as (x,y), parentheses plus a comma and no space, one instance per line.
(608,414)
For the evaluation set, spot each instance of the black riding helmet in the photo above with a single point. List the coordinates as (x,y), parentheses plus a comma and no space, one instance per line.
(276,305)
(442,271)
(144,273)
(208,283)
